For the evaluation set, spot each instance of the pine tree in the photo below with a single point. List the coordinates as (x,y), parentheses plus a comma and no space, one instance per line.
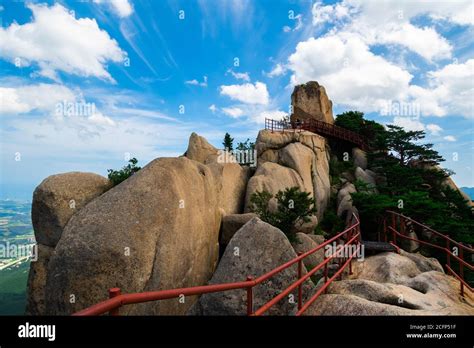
(228,142)
(403,144)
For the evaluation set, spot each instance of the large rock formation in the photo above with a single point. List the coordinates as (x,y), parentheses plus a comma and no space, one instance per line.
(310,101)
(55,201)
(288,159)
(58,197)
(156,230)
(392,284)
(272,177)
(231,177)
(255,249)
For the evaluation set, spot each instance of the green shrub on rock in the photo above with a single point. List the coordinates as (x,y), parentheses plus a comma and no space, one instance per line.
(294,208)
(117,176)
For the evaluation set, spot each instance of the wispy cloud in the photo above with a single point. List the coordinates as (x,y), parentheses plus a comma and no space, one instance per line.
(195,82)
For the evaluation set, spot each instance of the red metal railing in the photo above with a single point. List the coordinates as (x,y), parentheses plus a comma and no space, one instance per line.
(319,127)
(395,225)
(351,234)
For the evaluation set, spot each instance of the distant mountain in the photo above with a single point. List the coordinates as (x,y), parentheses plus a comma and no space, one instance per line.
(469,191)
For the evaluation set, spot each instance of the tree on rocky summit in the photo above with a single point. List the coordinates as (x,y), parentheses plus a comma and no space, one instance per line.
(355,121)
(228,142)
(247,145)
(403,144)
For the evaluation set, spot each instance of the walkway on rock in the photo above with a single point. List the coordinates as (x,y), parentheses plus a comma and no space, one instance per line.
(319,127)
(395,228)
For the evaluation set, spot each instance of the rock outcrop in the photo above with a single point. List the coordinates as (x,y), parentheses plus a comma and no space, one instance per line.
(392,284)
(304,243)
(452,185)
(292,159)
(200,150)
(55,201)
(58,197)
(272,177)
(231,224)
(231,177)
(255,249)
(156,230)
(310,101)
(447,182)
(360,158)
(367,177)
(35,300)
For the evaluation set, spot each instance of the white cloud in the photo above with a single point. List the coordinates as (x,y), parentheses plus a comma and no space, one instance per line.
(56,41)
(101,120)
(278,70)
(408,123)
(239,76)
(247,93)
(449,138)
(197,83)
(122,8)
(428,99)
(213,108)
(434,129)
(424,41)
(233,112)
(329,13)
(450,91)
(23,99)
(260,116)
(391,22)
(351,73)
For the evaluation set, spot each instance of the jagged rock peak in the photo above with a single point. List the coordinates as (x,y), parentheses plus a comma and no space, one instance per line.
(310,101)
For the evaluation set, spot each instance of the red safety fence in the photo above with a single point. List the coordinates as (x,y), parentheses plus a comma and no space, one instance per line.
(398,225)
(351,235)
(318,127)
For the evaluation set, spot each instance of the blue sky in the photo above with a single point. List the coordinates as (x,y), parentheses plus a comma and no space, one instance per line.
(154,71)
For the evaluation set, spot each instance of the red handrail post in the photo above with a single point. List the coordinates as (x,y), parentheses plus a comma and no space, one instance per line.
(402,226)
(114,292)
(300,288)
(350,265)
(461,265)
(250,297)
(339,264)
(449,249)
(325,273)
